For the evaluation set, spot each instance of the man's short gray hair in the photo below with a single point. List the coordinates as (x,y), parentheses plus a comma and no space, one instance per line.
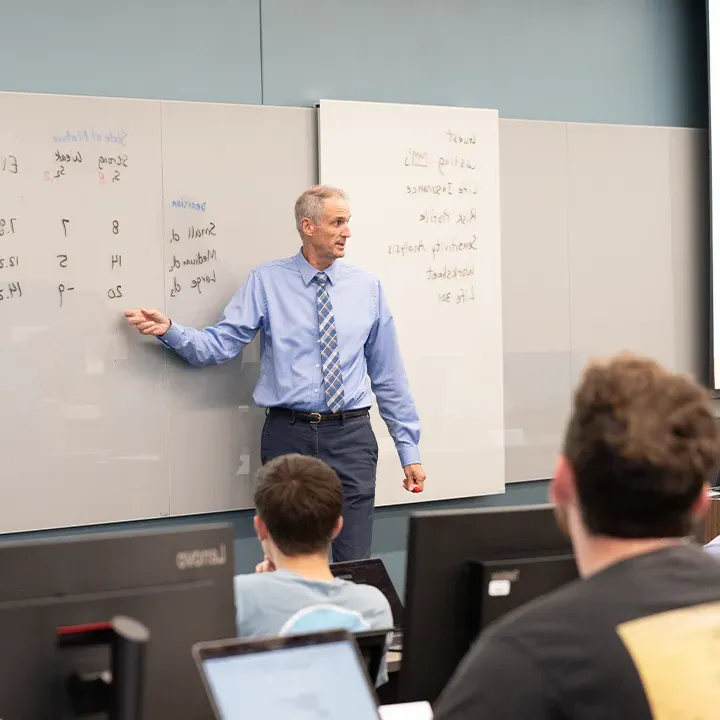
(311,204)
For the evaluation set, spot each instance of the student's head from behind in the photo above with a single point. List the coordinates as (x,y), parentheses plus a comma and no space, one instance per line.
(640,448)
(298,501)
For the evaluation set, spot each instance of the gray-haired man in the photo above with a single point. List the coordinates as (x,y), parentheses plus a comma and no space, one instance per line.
(326,328)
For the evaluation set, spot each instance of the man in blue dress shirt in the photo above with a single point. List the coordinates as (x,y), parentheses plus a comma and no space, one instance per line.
(325,328)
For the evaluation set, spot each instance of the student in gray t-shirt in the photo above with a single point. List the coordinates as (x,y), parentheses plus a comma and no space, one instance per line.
(299,503)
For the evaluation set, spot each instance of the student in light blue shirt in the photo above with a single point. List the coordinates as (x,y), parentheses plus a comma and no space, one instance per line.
(299,501)
(328,343)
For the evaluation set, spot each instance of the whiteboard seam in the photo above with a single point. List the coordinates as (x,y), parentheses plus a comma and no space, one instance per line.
(168,449)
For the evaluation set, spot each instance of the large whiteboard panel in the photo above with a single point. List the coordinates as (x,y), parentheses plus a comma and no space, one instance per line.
(82,414)
(232,174)
(424,192)
(536,297)
(621,256)
(101,425)
(690,223)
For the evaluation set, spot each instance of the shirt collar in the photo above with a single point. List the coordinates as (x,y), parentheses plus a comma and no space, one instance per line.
(308,272)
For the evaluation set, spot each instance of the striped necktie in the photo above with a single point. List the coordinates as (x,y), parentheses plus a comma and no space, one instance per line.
(332,375)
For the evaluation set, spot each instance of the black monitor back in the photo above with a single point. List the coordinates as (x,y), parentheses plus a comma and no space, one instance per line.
(498,587)
(439,617)
(372,648)
(177,582)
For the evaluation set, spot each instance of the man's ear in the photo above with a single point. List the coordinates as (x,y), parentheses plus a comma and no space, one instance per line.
(338,527)
(701,506)
(562,486)
(260,528)
(308,227)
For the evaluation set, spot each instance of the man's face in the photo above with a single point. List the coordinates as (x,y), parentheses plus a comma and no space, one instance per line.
(328,238)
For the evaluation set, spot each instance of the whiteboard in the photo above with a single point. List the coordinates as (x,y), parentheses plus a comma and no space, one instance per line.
(102,425)
(231,174)
(83,415)
(100,199)
(424,193)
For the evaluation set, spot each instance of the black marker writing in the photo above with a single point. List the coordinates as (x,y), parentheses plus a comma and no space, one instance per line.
(62,290)
(9,262)
(199,281)
(9,164)
(453,246)
(117,160)
(176,288)
(415,158)
(450,273)
(406,248)
(459,139)
(68,157)
(194,232)
(13,290)
(7,226)
(434,218)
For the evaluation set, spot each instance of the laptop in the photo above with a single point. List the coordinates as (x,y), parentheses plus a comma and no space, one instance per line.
(295,677)
(373,572)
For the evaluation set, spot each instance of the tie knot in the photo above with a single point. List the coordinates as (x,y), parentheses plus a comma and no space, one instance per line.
(321,279)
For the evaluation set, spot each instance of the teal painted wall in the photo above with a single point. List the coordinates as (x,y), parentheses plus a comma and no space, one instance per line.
(608,61)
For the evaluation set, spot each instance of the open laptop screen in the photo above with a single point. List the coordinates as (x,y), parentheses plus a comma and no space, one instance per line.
(297,682)
(372,572)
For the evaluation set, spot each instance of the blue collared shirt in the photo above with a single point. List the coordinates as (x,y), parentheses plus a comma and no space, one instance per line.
(279,300)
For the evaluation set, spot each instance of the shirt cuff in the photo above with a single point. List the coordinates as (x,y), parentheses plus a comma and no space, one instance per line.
(409,455)
(172,336)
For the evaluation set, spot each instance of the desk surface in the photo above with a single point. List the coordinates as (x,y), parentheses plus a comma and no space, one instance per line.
(393,661)
(712,521)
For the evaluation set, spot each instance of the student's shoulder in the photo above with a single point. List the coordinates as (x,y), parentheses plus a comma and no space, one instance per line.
(366,599)
(258,582)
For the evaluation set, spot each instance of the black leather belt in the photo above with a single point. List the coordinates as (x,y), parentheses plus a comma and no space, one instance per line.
(314,417)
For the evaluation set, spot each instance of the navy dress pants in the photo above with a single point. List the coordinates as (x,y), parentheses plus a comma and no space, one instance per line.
(349,447)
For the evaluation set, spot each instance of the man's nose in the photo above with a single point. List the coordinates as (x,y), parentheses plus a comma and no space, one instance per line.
(346,232)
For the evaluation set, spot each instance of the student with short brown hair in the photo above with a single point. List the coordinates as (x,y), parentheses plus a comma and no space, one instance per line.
(299,502)
(634,637)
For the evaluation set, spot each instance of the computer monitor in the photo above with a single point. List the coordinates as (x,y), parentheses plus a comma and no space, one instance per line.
(441,613)
(371,644)
(293,677)
(499,586)
(177,582)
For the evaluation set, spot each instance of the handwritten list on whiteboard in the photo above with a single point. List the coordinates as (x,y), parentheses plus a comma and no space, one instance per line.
(423,184)
(107,204)
(83,413)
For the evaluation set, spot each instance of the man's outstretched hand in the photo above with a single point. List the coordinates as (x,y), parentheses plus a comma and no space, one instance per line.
(414,478)
(148,322)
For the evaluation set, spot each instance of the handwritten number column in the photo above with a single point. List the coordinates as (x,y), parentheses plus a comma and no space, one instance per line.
(115,264)
(10,287)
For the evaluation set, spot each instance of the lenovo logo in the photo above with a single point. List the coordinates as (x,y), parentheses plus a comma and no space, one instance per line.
(207,557)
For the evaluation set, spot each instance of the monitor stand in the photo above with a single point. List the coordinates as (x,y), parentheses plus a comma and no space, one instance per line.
(118,693)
